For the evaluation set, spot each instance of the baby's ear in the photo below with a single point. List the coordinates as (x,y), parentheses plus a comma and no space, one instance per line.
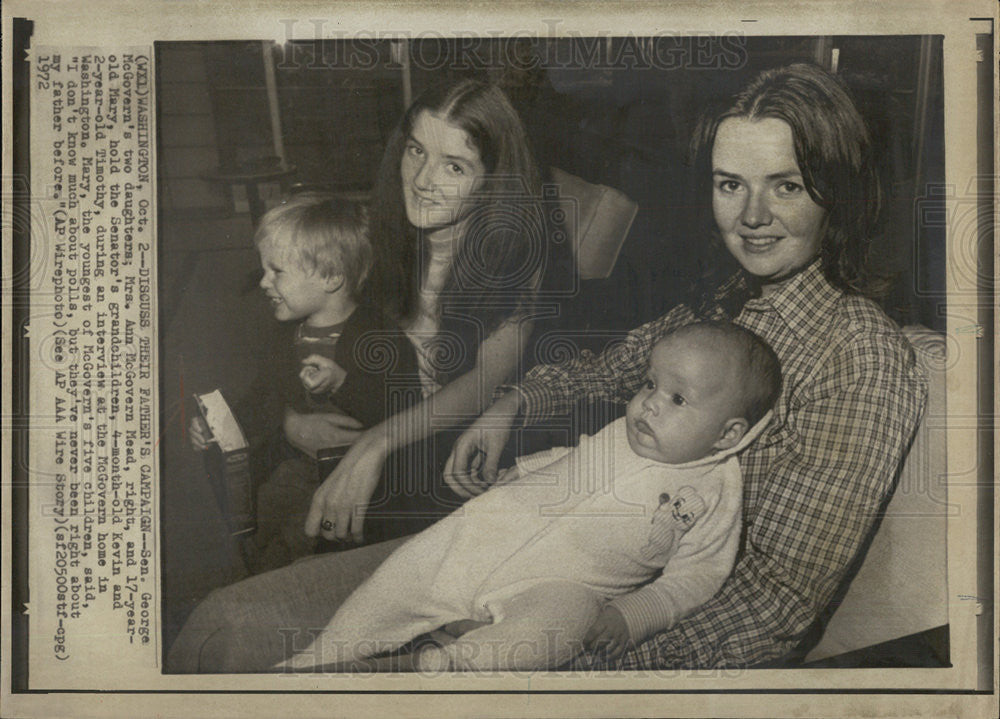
(732,433)
(334,283)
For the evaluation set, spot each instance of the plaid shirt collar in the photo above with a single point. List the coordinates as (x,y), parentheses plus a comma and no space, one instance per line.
(805,303)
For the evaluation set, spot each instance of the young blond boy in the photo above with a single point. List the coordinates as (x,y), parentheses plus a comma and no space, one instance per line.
(315,256)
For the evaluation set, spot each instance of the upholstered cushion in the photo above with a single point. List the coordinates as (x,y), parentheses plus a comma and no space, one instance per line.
(600,220)
(901,587)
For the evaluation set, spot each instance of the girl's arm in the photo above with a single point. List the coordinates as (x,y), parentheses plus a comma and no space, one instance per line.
(343,498)
(549,390)
(315,431)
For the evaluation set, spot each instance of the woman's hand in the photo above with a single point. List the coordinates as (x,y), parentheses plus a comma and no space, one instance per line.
(472,467)
(339,505)
(321,374)
(313,432)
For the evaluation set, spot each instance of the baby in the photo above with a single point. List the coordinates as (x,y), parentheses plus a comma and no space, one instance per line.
(603,544)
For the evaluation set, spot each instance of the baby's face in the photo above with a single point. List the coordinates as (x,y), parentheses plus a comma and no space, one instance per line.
(690,395)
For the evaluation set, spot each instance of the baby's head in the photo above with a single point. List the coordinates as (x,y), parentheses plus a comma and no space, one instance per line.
(706,385)
(315,253)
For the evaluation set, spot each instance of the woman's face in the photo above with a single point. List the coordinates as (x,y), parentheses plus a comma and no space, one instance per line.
(768,221)
(440,170)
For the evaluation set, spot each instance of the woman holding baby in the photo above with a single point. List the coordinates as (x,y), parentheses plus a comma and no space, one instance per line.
(794,196)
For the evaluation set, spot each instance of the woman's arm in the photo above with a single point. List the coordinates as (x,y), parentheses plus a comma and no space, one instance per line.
(551,389)
(343,498)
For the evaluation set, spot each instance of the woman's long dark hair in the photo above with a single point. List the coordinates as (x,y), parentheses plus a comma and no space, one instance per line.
(505,247)
(834,154)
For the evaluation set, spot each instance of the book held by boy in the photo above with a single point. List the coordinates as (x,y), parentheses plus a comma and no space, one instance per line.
(227,461)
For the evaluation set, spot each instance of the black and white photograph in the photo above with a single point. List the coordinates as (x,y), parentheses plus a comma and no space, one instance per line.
(361,128)
(570,354)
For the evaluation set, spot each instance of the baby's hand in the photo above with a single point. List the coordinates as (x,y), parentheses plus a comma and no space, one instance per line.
(608,635)
(320,374)
(200,434)
(506,476)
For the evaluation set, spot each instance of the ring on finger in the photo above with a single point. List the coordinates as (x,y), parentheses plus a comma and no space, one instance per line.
(326,525)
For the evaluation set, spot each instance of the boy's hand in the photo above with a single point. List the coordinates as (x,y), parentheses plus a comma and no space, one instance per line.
(200,434)
(608,635)
(320,374)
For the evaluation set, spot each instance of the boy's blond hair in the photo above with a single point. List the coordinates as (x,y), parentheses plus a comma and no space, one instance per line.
(327,234)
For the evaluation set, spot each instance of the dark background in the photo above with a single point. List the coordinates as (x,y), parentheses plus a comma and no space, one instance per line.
(593,107)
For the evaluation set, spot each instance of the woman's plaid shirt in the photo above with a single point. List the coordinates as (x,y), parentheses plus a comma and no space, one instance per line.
(813,483)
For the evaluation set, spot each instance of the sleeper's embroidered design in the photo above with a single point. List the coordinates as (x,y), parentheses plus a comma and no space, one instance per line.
(672,519)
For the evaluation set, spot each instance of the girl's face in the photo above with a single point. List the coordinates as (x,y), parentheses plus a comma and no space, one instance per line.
(768,221)
(440,170)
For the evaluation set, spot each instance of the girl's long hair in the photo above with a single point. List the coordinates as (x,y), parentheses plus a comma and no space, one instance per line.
(505,247)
